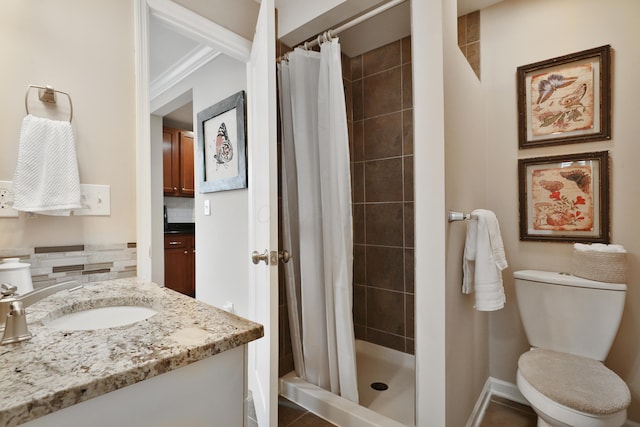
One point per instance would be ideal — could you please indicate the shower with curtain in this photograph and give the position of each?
(346, 147)
(317, 217)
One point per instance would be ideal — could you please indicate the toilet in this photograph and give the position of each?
(570, 323)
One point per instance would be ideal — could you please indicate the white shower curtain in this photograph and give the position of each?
(317, 218)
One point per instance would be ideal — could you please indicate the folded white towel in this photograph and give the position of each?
(484, 260)
(46, 179)
(599, 247)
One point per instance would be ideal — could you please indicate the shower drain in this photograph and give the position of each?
(379, 386)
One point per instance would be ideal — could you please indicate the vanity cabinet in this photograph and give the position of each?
(180, 263)
(209, 392)
(177, 162)
(184, 366)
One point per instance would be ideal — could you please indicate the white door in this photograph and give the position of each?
(263, 215)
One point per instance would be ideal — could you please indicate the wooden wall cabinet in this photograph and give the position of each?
(177, 162)
(180, 263)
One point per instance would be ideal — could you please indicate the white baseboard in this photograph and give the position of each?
(507, 390)
(475, 419)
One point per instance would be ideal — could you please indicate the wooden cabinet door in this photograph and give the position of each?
(177, 162)
(186, 164)
(179, 263)
(170, 161)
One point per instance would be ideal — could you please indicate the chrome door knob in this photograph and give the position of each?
(284, 256)
(256, 257)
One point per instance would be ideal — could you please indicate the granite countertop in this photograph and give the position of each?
(56, 369)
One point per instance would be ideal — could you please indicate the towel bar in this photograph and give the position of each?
(47, 94)
(459, 216)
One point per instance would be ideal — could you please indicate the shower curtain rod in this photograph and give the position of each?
(334, 32)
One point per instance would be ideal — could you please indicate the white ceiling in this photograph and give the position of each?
(168, 49)
(375, 32)
(468, 6)
(364, 37)
(395, 22)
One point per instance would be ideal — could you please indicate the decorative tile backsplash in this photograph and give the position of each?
(85, 263)
(180, 209)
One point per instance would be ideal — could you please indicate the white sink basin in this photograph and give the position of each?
(101, 318)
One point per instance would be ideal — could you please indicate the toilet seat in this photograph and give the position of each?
(572, 390)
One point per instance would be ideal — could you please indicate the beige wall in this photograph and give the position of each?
(466, 167)
(85, 49)
(521, 32)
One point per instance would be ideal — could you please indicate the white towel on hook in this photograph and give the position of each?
(46, 179)
(484, 260)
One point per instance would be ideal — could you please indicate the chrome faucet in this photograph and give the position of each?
(12, 308)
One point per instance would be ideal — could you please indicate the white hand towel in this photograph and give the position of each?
(599, 247)
(46, 179)
(483, 261)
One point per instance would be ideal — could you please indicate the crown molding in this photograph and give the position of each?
(188, 64)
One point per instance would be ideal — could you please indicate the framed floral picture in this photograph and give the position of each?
(565, 100)
(565, 198)
(222, 145)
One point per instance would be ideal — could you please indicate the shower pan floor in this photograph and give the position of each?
(393, 407)
(393, 368)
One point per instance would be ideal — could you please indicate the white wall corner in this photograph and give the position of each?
(475, 419)
(495, 387)
(507, 390)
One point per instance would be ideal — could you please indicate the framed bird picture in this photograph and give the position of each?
(566, 99)
(565, 198)
(222, 145)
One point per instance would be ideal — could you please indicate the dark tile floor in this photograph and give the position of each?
(292, 415)
(506, 413)
(500, 413)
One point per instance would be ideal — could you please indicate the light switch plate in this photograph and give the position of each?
(207, 207)
(6, 200)
(95, 200)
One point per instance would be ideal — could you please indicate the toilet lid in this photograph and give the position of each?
(577, 382)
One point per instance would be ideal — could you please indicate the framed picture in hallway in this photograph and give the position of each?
(566, 99)
(565, 198)
(222, 159)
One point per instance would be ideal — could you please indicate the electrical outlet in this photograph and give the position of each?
(6, 200)
(95, 200)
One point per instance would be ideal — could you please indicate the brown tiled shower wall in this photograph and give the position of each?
(86, 263)
(379, 114)
(381, 119)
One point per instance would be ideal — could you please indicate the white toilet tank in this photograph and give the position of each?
(569, 314)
